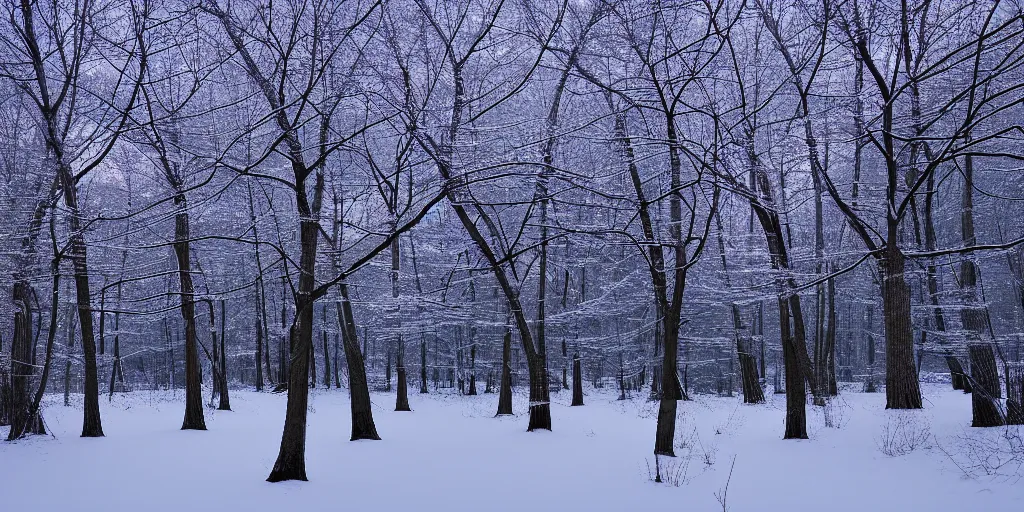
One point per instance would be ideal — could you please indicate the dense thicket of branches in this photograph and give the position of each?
(665, 198)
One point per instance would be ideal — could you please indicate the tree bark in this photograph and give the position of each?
(194, 419)
(577, 381)
(359, 392)
(19, 401)
(902, 390)
(505, 389)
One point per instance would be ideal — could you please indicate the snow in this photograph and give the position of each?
(451, 454)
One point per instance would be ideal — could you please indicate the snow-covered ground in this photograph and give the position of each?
(450, 454)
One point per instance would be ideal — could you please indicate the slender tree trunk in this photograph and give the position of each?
(577, 381)
(259, 354)
(327, 354)
(92, 425)
(72, 316)
(752, 392)
(359, 392)
(472, 369)
(796, 398)
(402, 397)
(423, 367)
(984, 372)
(194, 419)
(51, 335)
(505, 389)
(225, 401)
(337, 365)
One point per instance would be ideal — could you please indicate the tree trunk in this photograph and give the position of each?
(796, 398)
(291, 459)
(92, 425)
(664, 437)
(259, 354)
(225, 401)
(472, 369)
(194, 419)
(577, 381)
(869, 381)
(984, 372)
(902, 390)
(402, 397)
(359, 392)
(423, 367)
(19, 398)
(327, 354)
(505, 389)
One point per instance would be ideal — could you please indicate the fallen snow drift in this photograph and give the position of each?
(451, 454)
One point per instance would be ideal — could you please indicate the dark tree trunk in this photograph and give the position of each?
(902, 390)
(18, 397)
(92, 425)
(796, 398)
(565, 356)
(505, 389)
(984, 372)
(259, 354)
(423, 367)
(51, 335)
(402, 397)
(193, 386)
(291, 459)
(985, 397)
(225, 401)
(752, 392)
(327, 353)
(312, 365)
(577, 381)
(359, 392)
(664, 437)
(472, 369)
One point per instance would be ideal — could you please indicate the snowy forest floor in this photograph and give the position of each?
(451, 454)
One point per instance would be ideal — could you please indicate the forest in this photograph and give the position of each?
(655, 222)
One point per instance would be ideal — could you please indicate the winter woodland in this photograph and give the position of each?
(692, 246)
